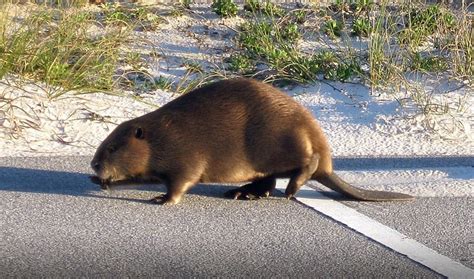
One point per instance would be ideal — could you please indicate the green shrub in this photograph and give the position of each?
(264, 7)
(422, 23)
(252, 6)
(224, 8)
(333, 28)
(273, 10)
(300, 16)
(361, 27)
(290, 32)
(162, 83)
(241, 63)
(335, 68)
(428, 64)
(362, 5)
(274, 43)
(136, 17)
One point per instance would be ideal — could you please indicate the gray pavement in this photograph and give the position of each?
(54, 222)
(444, 225)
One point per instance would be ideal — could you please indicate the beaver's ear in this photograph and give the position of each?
(139, 134)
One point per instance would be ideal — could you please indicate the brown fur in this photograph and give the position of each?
(229, 131)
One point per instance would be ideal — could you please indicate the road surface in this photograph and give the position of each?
(54, 222)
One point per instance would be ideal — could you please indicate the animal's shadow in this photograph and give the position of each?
(25, 180)
(78, 184)
(30, 180)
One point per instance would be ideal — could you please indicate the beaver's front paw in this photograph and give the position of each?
(164, 199)
(104, 184)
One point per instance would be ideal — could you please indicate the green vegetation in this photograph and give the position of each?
(193, 67)
(83, 51)
(300, 16)
(333, 68)
(361, 27)
(430, 64)
(361, 6)
(225, 8)
(333, 28)
(423, 22)
(380, 61)
(270, 47)
(241, 64)
(275, 45)
(135, 60)
(139, 17)
(56, 47)
(162, 83)
(264, 7)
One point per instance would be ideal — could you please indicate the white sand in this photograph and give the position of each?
(356, 124)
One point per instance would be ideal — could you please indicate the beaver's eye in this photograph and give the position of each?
(139, 133)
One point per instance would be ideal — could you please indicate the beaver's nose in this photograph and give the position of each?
(95, 166)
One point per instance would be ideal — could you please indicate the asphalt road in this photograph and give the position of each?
(55, 223)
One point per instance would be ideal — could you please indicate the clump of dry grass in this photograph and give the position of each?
(414, 42)
(60, 48)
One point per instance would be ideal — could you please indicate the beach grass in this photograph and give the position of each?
(72, 48)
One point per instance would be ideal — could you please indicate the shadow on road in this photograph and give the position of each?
(78, 184)
(32, 180)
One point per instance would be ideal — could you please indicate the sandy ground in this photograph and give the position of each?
(355, 123)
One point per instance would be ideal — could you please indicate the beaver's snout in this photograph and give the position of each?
(95, 166)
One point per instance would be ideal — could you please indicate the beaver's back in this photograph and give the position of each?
(239, 127)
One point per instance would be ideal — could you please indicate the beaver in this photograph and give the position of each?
(229, 131)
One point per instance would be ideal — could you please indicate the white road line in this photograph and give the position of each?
(381, 233)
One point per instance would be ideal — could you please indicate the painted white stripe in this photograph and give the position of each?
(381, 233)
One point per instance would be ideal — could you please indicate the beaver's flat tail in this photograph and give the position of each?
(335, 183)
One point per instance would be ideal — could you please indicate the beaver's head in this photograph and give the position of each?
(123, 154)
